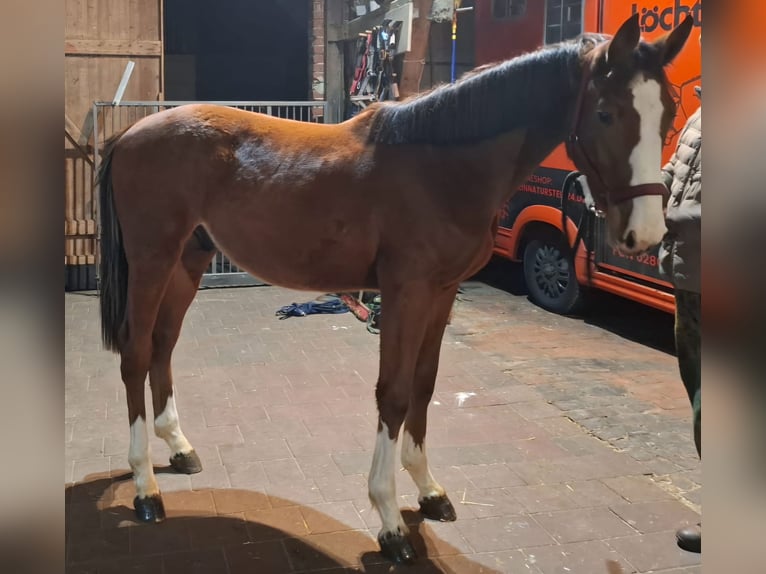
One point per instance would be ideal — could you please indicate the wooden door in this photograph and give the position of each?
(101, 37)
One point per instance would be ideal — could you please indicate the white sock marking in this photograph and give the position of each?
(140, 460)
(382, 483)
(415, 461)
(647, 222)
(168, 428)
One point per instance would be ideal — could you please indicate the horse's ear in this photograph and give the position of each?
(671, 43)
(624, 42)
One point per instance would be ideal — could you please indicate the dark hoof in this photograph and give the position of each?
(149, 509)
(186, 463)
(397, 548)
(438, 508)
(690, 539)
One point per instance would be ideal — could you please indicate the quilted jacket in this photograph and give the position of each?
(679, 253)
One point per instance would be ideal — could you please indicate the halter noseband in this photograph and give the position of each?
(601, 192)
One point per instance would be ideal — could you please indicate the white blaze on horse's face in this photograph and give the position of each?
(646, 224)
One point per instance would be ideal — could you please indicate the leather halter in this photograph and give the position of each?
(603, 196)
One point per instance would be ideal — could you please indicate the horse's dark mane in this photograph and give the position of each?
(532, 90)
(535, 90)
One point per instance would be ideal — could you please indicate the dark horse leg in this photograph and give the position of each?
(178, 296)
(433, 500)
(403, 326)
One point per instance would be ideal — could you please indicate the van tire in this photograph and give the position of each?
(550, 277)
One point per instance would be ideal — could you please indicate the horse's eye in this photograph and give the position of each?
(604, 117)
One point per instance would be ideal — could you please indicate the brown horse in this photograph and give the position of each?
(403, 198)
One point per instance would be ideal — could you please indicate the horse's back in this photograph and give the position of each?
(214, 122)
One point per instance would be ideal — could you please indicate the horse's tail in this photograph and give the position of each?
(113, 267)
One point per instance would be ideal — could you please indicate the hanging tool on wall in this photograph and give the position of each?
(455, 12)
(374, 75)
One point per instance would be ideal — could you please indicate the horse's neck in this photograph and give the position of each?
(504, 163)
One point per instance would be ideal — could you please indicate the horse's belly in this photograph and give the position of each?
(308, 256)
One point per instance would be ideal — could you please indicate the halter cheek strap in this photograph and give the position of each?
(603, 196)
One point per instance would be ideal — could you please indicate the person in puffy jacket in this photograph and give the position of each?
(679, 260)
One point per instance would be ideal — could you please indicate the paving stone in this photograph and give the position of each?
(141, 565)
(332, 517)
(636, 488)
(84, 468)
(319, 551)
(157, 539)
(307, 446)
(246, 475)
(543, 473)
(590, 557)
(352, 487)
(579, 445)
(215, 532)
(353, 462)
(434, 539)
(294, 492)
(489, 563)
(656, 516)
(503, 533)
(283, 471)
(452, 478)
(171, 481)
(567, 496)
(655, 551)
(319, 466)
(184, 504)
(264, 557)
(496, 475)
(583, 524)
(275, 523)
(258, 451)
(231, 501)
(196, 562)
(483, 503)
(285, 429)
(534, 410)
(213, 477)
(222, 416)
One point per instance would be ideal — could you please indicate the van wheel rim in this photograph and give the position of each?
(551, 271)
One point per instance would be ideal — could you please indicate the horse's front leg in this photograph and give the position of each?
(433, 500)
(403, 326)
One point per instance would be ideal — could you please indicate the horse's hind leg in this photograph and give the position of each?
(147, 281)
(403, 325)
(433, 500)
(179, 294)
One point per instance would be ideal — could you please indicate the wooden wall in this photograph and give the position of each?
(101, 37)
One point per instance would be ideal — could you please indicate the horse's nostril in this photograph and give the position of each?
(630, 240)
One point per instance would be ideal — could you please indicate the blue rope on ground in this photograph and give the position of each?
(332, 306)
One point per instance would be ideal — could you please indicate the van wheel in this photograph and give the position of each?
(549, 274)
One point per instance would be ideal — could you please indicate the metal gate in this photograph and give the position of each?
(111, 118)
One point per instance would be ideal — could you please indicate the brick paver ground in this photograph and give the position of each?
(565, 447)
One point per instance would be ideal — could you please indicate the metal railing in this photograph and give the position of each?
(109, 118)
